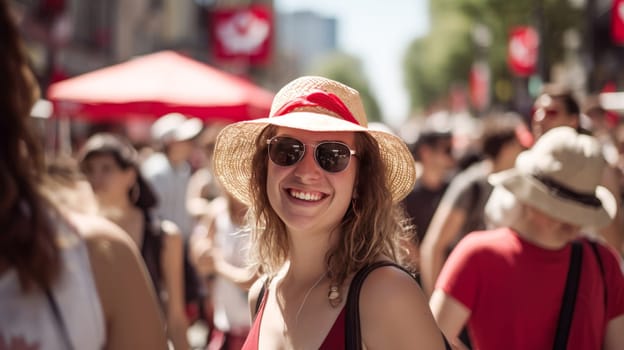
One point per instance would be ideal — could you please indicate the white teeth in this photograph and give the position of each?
(306, 196)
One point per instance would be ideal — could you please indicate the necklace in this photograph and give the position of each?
(305, 297)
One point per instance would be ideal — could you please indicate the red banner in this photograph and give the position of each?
(479, 83)
(242, 33)
(522, 52)
(617, 22)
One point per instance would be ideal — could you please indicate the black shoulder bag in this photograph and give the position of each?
(353, 335)
(569, 297)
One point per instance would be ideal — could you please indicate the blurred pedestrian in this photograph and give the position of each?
(69, 280)
(324, 198)
(509, 284)
(604, 128)
(169, 173)
(219, 251)
(203, 187)
(557, 106)
(433, 153)
(461, 209)
(110, 164)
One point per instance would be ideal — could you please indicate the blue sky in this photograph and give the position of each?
(378, 32)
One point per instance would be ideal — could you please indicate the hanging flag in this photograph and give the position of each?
(522, 51)
(242, 33)
(479, 82)
(617, 22)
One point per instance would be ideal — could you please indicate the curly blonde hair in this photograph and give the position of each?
(374, 227)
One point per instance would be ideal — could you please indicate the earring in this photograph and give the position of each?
(334, 295)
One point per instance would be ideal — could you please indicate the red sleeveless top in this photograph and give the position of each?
(335, 339)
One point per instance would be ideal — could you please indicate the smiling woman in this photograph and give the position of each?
(323, 200)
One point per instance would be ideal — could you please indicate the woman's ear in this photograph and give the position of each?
(130, 176)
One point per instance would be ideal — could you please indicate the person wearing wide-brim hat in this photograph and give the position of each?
(324, 192)
(507, 284)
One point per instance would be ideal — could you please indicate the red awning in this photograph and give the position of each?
(152, 85)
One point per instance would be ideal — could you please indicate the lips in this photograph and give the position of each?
(308, 196)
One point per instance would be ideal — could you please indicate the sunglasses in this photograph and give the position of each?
(331, 156)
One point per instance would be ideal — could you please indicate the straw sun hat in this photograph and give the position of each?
(560, 176)
(313, 104)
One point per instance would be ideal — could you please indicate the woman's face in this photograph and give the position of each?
(304, 195)
(109, 181)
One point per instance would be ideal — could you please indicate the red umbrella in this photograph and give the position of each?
(153, 85)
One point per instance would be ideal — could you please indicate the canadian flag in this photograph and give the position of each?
(617, 22)
(522, 51)
(243, 33)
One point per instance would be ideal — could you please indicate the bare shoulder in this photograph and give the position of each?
(388, 283)
(394, 312)
(112, 252)
(101, 235)
(389, 292)
(132, 313)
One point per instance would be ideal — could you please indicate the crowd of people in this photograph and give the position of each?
(311, 229)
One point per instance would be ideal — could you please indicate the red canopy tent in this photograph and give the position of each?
(153, 85)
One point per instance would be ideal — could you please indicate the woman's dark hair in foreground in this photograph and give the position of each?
(27, 239)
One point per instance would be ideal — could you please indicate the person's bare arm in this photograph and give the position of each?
(394, 313)
(450, 315)
(614, 336)
(446, 223)
(206, 256)
(132, 315)
(243, 277)
(173, 274)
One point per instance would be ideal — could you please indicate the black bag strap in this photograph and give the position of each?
(260, 297)
(353, 335)
(59, 319)
(594, 247)
(569, 297)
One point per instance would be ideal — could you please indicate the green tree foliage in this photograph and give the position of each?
(442, 58)
(348, 70)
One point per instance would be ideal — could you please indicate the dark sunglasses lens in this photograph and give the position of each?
(333, 157)
(285, 151)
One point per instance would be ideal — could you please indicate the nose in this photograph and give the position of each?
(307, 168)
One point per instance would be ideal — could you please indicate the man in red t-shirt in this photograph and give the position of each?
(507, 284)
